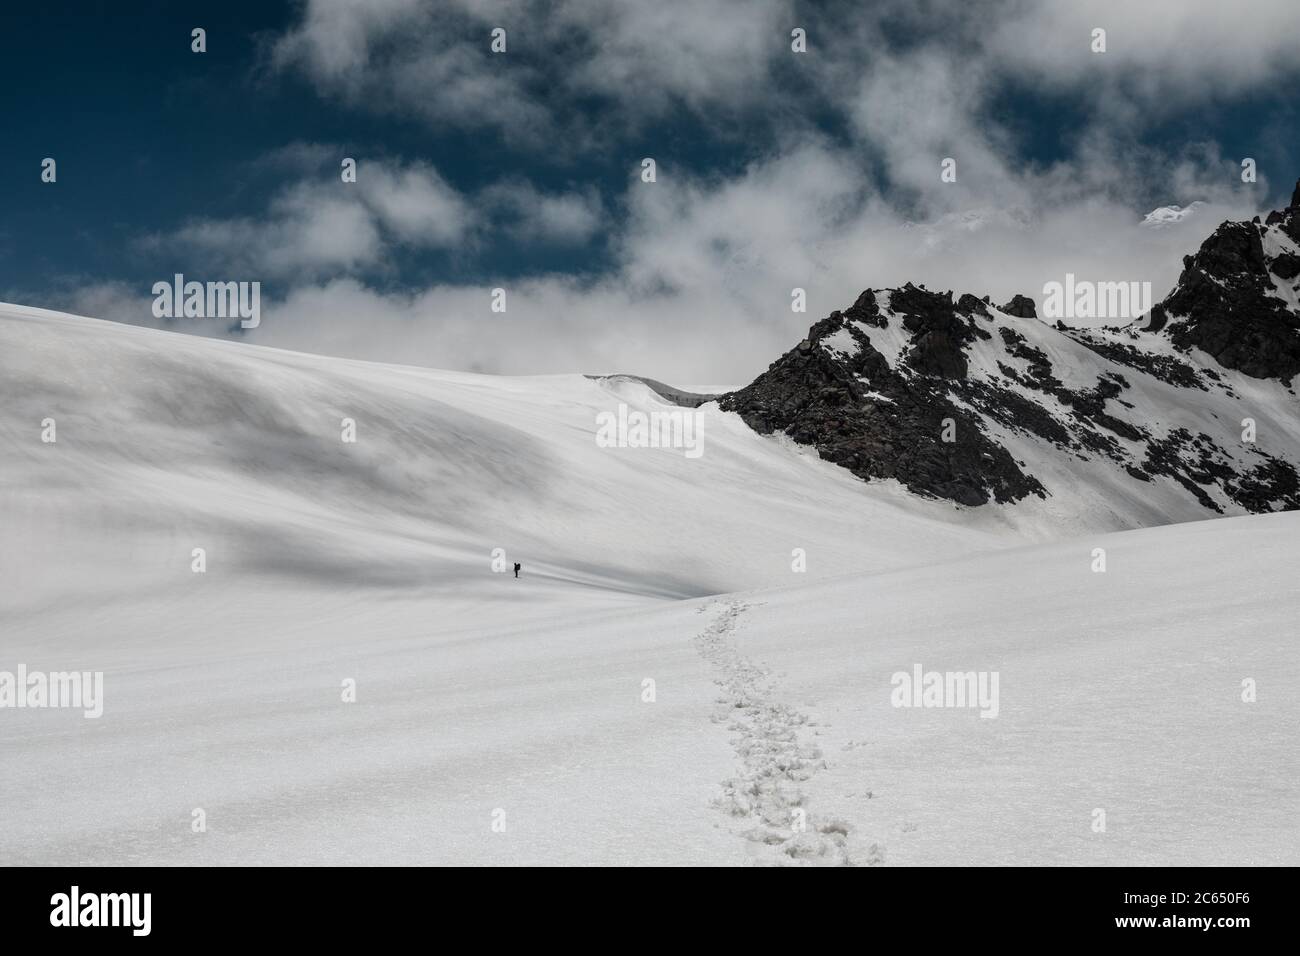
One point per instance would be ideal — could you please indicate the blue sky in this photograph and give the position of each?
(477, 170)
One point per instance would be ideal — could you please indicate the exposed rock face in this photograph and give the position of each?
(971, 403)
(1227, 301)
(836, 392)
(1022, 307)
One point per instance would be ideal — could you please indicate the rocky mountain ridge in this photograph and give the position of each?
(957, 398)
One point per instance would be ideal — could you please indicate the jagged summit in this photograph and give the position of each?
(1238, 297)
(959, 399)
(850, 391)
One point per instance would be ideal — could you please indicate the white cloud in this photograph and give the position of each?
(415, 204)
(704, 264)
(308, 230)
(320, 225)
(335, 38)
(1166, 53)
(727, 58)
(702, 53)
(531, 215)
(435, 62)
(705, 267)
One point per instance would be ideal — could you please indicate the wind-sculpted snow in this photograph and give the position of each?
(167, 443)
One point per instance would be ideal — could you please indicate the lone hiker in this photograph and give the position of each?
(517, 567)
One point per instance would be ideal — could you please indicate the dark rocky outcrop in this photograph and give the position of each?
(877, 422)
(1022, 307)
(1224, 302)
(912, 385)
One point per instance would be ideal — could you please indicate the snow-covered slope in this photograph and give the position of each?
(620, 702)
(1118, 691)
(166, 443)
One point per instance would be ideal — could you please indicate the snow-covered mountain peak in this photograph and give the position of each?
(961, 399)
(1163, 217)
(1238, 297)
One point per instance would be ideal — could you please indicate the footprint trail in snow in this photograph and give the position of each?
(775, 763)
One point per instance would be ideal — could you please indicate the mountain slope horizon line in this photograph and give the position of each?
(972, 403)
